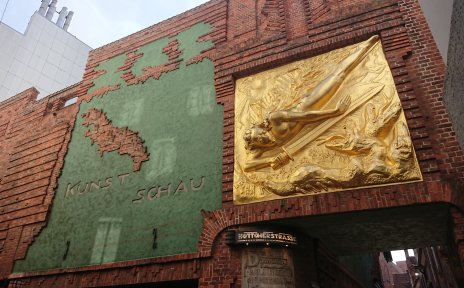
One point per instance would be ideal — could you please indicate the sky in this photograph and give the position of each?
(99, 22)
(398, 255)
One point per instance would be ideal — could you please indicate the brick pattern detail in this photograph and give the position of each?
(271, 19)
(213, 12)
(225, 261)
(199, 58)
(3, 127)
(155, 72)
(100, 92)
(241, 24)
(109, 138)
(130, 274)
(172, 50)
(245, 44)
(251, 21)
(297, 18)
(316, 9)
(150, 72)
(131, 58)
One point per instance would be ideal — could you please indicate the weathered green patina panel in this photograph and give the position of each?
(104, 209)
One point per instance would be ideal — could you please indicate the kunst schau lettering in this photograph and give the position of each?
(154, 192)
(80, 188)
(158, 191)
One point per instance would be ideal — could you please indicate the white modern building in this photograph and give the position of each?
(46, 56)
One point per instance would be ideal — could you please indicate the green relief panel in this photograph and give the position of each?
(104, 211)
(152, 55)
(189, 41)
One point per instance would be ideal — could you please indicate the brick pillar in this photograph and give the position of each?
(457, 245)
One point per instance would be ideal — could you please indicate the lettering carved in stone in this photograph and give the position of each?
(109, 138)
(267, 267)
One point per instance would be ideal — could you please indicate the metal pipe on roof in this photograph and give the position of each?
(68, 20)
(43, 7)
(62, 17)
(51, 10)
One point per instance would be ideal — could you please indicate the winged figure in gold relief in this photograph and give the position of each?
(322, 124)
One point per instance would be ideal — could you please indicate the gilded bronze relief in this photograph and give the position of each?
(320, 125)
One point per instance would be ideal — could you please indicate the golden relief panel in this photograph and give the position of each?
(319, 125)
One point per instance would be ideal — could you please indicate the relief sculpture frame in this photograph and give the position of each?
(324, 124)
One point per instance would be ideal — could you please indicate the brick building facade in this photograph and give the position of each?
(218, 42)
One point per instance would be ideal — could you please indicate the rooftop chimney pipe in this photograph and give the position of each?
(68, 20)
(51, 10)
(61, 18)
(43, 7)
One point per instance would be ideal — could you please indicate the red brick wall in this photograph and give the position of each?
(250, 36)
